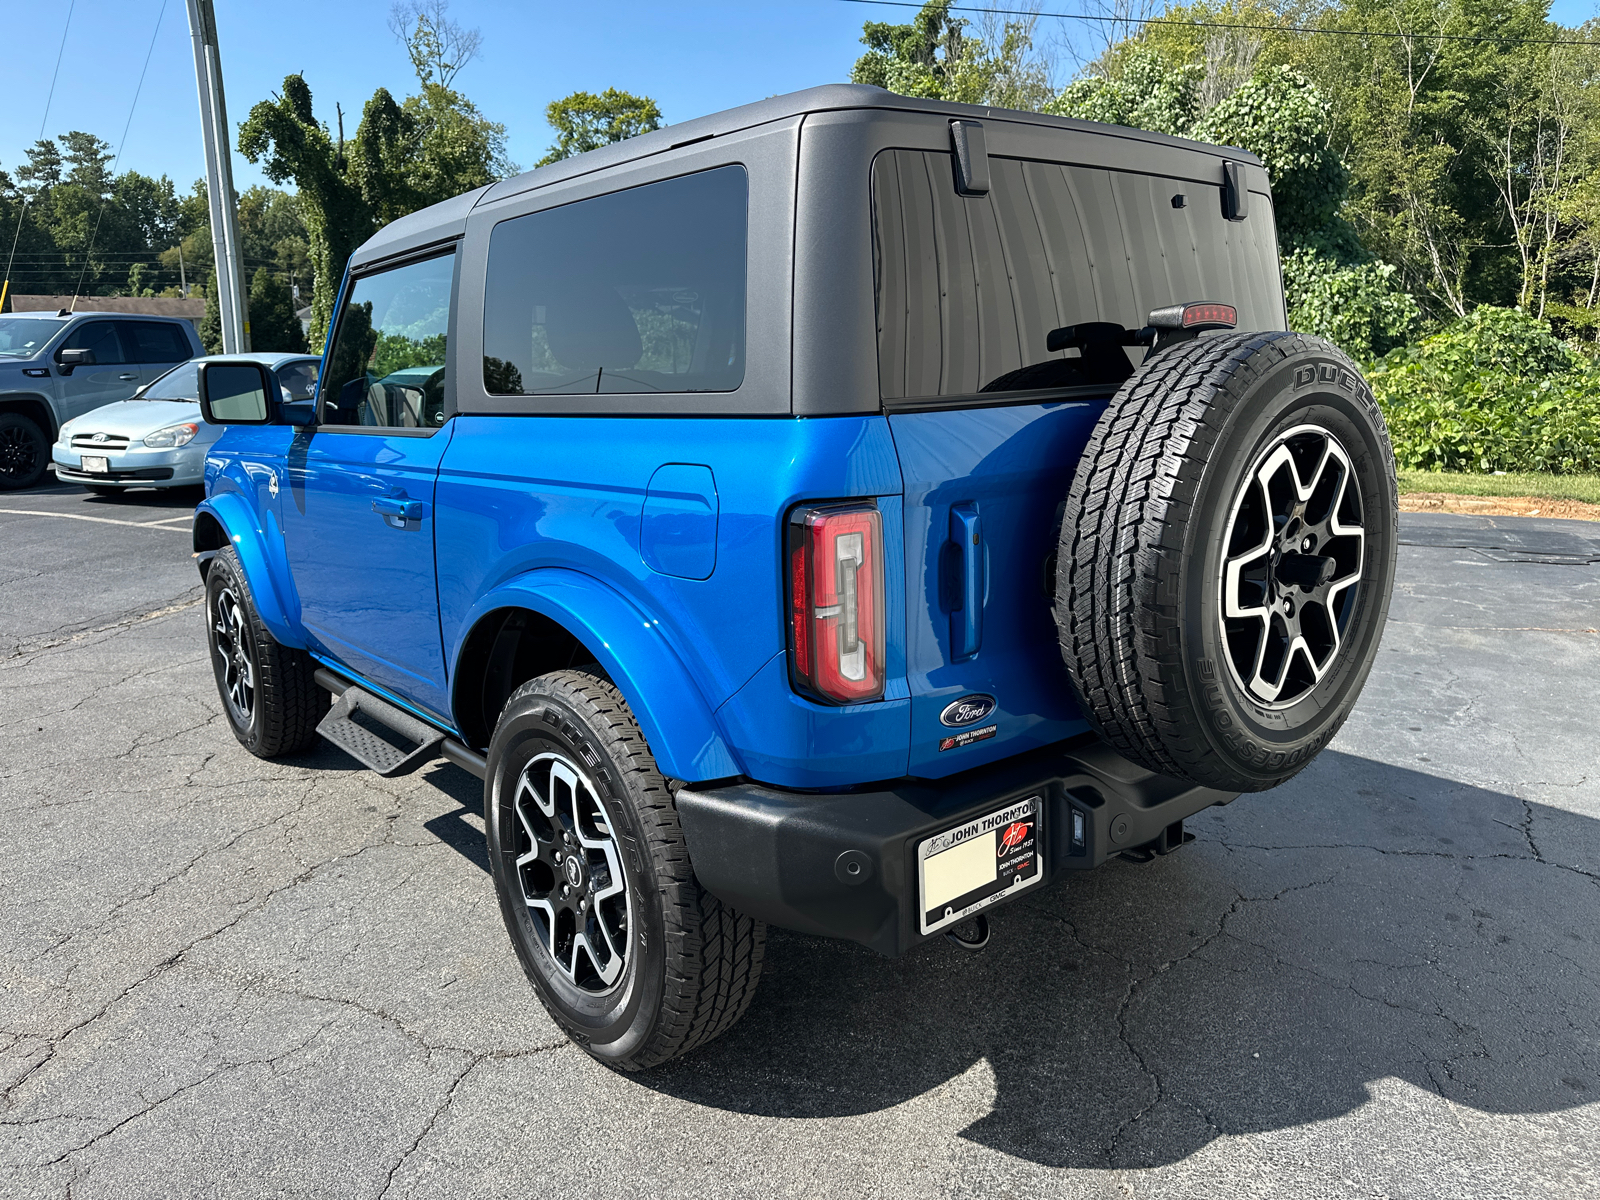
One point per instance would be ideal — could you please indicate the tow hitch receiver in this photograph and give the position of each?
(1166, 842)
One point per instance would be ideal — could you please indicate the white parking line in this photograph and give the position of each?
(161, 524)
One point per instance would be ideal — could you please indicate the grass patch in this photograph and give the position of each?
(1550, 487)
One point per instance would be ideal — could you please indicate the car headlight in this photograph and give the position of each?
(172, 435)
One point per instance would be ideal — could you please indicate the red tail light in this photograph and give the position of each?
(836, 617)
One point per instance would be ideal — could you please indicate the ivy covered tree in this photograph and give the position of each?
(404, 156)
(586, 121)
(273, 325)
(941, 57)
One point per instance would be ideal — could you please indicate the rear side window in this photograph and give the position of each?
(387, 365)
(638, 291)
(155, 342)
(969, 287)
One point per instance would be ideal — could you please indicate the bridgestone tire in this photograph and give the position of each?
(1169, 497)
(24, 452)
(689, 964)
(284, 702)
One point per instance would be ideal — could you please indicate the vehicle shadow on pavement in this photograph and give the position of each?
(1364, 922)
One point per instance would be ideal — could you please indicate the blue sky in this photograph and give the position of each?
(692, 57)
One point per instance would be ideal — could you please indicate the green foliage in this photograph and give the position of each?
(934, 56)
(1494, 391)
(273, 325)
(211, 324)
(404, 156)
(1358, 306)
(585, 121)
(1145, 92)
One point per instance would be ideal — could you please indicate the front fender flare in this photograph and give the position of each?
(633, 650)
(230, 510)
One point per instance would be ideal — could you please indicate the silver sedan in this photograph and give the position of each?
(157, 437)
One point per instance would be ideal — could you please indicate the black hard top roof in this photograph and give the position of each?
(447, 219)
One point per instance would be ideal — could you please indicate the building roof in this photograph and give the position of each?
(150, 306)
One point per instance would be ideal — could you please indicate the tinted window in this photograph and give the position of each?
(155, 341)
(98, 336)
(299, 379)
(387, 364)
(639, 291)
(969, 287)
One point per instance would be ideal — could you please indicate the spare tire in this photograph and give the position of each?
(1227, 554)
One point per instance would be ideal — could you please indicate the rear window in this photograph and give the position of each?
(156, 342)
(969, 287)
(638, 291)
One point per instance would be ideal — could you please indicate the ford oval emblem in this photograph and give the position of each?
(967, 710)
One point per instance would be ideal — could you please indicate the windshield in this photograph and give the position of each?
(180, 383)
(22, 337)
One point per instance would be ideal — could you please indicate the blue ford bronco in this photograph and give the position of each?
(847, 512)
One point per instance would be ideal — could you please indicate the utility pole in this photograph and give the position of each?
(219, 179)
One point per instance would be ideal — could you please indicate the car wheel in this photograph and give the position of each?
(271, 700)
(628, 953)
(24, 452)
(1227, 556)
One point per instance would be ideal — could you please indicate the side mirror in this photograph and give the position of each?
(67, 359)
(235, 393)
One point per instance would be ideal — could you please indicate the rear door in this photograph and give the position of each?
(112, 376)
(157, 346)
(989, 424)
(359, 522)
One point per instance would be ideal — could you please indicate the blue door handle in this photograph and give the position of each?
(966, 622)
(394, 506)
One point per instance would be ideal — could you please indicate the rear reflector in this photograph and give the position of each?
(836, 627)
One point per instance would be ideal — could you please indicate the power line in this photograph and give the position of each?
(43, 121)
(127, 125)
(1125, 20)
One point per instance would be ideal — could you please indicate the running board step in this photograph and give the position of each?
(371, 749)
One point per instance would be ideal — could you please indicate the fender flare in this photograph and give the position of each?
(631, 647)
(238, 522)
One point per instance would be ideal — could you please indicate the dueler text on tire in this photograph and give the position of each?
(1227, 553)
(271, 700)
(629, 954)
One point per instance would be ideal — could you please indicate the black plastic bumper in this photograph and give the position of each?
(842, 865)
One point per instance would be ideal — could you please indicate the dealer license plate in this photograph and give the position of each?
(970, 867)
(95, 466)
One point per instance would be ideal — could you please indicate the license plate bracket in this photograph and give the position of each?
(95, 465)
(980, 862)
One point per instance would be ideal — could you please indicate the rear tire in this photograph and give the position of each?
(24, 452)
(1227, 555)
(628, 953)
(268, 694)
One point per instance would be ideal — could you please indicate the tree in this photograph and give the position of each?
(211, 323)
(403, 156)
(273, 325)
(584, 121)
(936, 57)
(438, 47)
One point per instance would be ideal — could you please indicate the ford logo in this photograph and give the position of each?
(967, 709)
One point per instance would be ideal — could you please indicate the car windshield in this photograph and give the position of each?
(21, 337)
(180, 383)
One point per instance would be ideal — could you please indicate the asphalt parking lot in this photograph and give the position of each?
(224, 977)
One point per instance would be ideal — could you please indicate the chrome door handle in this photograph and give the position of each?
(127, 377)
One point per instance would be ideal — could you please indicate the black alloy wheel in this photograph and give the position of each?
(24, 452)
(233, 656)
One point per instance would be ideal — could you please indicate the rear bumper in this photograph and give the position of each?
(796, 859)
